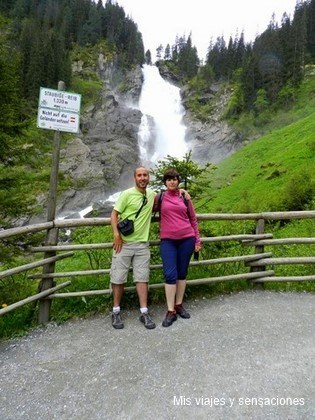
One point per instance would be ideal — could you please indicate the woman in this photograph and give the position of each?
(179, 235)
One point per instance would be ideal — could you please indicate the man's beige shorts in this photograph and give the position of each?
(135, 255)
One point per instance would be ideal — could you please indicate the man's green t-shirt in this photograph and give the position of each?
(127, 204)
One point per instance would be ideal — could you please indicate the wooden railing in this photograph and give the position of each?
(256, 264)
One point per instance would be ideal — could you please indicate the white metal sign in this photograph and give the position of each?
(58, 99)
(52, 119)
(59, 110)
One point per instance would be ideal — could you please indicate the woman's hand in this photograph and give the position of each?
(197, 248)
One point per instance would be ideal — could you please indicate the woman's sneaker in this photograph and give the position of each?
(116, 321)
(169, 318)
(181, 311)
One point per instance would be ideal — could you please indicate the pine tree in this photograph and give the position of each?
(5, 6)
(80, 14)
(21, 9)
(33, 51)
(159, 52)
(311, 30)
(216, 57)
(175, 53)
(188, 61)
(299, 39)
(148, 58)
(10, 101)
(91, 31)
(167, 52)
(65, 26)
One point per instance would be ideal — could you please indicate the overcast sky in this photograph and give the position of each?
(160, 21)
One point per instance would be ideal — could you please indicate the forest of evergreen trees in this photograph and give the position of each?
(264, 72)
(44, 31)
(38, 36)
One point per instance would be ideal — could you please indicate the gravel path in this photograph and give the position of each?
(243, 356)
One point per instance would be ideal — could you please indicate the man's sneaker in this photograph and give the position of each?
(169, 319)
(116, 321)
(147, 321)
(181, 311)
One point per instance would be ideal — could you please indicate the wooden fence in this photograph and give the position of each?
(255, 264)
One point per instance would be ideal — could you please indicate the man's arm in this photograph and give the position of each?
(186, 194)
(117, 238)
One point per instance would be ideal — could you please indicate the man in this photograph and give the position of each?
(134, 248)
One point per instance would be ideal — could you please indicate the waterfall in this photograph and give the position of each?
(161, 131)
(160, 102)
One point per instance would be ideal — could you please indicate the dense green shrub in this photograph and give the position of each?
(299, 192)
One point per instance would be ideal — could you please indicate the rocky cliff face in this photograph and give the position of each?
(214, 139)
(102, 158)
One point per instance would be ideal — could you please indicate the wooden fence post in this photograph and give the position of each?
(259, 249)
(51, 234)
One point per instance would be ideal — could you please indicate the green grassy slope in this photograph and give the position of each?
(257, 177)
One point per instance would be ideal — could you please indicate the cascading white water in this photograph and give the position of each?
(161, 101)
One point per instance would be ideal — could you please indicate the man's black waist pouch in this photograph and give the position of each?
(126, 227)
